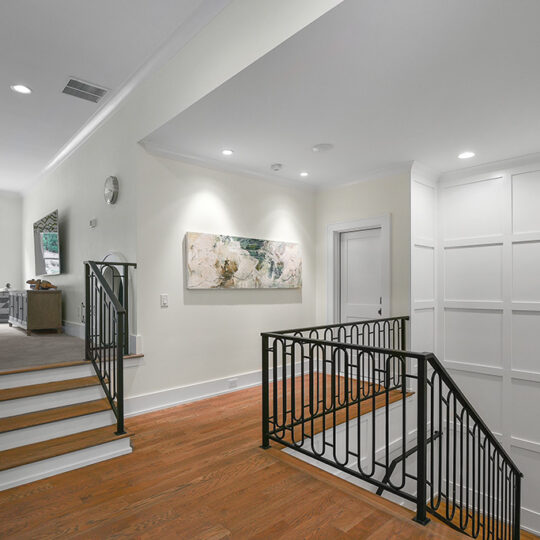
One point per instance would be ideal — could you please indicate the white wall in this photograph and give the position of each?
(10, 239)
(489, 314)
(368, 199)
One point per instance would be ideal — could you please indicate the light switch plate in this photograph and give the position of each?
(164, 300)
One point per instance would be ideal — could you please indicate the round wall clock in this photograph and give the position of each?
(111, 190)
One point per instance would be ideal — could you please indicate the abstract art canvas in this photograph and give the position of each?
(216, 261)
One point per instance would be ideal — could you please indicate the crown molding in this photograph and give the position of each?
(218, 165)
(377, 174)
(491, 167)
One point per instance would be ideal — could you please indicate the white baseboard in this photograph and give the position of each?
(163, 399)
(530, 520)
(74, 329)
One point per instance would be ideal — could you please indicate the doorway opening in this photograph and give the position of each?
(359, 270)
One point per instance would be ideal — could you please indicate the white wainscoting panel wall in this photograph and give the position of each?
(423, 259)
(488, 315)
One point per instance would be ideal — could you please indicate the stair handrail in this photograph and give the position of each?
(443, 373)
(278, 349)
(107, 333)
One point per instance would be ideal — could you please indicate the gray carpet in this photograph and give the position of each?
(17, 350)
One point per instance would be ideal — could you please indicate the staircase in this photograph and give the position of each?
(350, 399)
(59, 417)
(54, 419)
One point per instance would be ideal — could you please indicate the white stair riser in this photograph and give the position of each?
(67, 462)
(42, 402)
(41, 376)
(52, 430)
(46, 375)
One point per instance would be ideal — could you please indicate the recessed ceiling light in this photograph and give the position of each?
(322, 147)
(466, 155)
(304, 173)
(21, 89)
(227, 152)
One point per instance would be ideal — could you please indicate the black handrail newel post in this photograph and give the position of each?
(87, 311)
(517, 507)
(421, 463)
(265, 394)
(120, 374)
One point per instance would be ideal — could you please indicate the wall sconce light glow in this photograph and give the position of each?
(21, 89)
(304, 174)
(227, 152)
(466, 155)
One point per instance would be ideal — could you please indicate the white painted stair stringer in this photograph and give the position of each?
(54, 430)
(67, 462)
(52, 400)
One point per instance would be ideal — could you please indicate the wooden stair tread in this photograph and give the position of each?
(47, 388)
(44, 367)
(23, 455)
(47, 416)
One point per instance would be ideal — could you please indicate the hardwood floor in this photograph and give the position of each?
(197, 472)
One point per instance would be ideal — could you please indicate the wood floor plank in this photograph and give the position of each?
(21, 421)
(47, 388)
(23, 455)
(197, 472)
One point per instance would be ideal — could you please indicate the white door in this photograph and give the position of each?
(362, 275)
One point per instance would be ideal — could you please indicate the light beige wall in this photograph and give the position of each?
(207, 334)
(368, 199)
(10, 240)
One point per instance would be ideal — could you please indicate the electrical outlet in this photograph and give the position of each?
(233, 383)
(164, 300)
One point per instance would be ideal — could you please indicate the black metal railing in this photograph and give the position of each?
(352, 397)
(107, 328)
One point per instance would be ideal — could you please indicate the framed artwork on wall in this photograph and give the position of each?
(215, 261)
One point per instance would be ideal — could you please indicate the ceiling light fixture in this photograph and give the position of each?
(227, 152)
(466, 155)
(21, 89)
(304, 173)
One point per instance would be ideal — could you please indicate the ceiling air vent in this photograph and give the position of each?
(84, 90)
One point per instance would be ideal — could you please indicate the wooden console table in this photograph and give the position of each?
(36, 310)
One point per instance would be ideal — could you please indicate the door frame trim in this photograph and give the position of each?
(333, 259)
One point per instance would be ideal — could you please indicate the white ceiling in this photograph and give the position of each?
(386, 82)
(44, 43)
